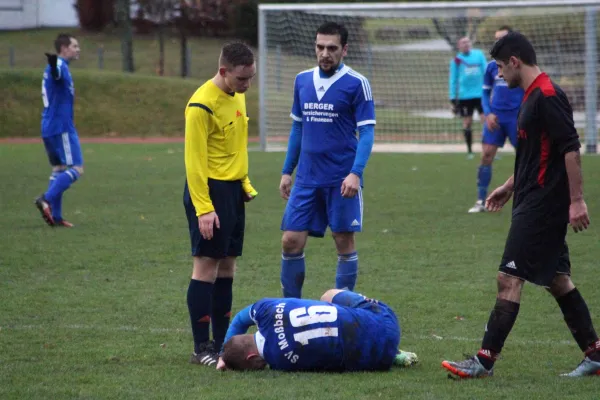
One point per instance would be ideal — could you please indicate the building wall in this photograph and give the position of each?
(23, 14)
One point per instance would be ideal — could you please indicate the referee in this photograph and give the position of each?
(217, 186)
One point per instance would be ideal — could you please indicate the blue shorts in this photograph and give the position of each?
(376, 321)
(507, 122)
(312, 209)
(64, 149)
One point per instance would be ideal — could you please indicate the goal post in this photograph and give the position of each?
(405, 50)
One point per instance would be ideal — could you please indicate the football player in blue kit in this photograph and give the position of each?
(58, 130)
(344, 331)
(332, 103)
(501, 107)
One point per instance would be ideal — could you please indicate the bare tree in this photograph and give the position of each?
(159, 12)
(122, 8)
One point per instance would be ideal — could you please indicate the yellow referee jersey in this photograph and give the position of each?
(216, 142)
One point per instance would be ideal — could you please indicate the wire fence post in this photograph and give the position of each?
(188, 59)
(100, 57)
(591, 81)
(11, 56)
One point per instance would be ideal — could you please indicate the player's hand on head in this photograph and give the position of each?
(207, 223)
(497, 199)
(491, 121)
(350, 185)
(285, 186)
(578, 216)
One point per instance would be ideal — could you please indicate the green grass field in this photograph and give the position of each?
(99, 311)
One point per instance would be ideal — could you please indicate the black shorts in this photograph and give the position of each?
(467, 107)
(536, 252)
(228, 199)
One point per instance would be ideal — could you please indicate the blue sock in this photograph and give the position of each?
(484, 177)
(56, 205)
(61, 183)
(347, 271)
(52, 178)
(292, 274)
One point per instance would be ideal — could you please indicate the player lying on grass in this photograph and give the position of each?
(344, 331)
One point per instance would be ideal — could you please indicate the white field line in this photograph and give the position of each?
(187, 331)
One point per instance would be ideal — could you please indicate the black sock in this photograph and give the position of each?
(221, 309)
(502, 319)
(578, 319)
(199, 298)
(469, 139)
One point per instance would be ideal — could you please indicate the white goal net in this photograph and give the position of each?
(405, 50)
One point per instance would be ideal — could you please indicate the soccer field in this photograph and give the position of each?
(100, 311)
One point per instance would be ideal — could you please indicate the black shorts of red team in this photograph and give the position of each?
(467, 107)
(536, 248)
(228, 240)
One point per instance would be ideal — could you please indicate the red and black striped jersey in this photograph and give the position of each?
(546, 133)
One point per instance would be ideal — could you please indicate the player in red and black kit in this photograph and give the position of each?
(548, 195)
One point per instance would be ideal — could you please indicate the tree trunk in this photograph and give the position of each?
(124, 21)
(183, 42)
(161, 50)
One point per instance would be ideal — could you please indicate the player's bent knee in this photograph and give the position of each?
(509, 287)
(205, 269)
(330, 294)
(344, 242)
(293, 242)
(561, 285)
(487, 158)
(59, 168)
(79, 169)
(227, 267)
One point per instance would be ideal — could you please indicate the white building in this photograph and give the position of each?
(23, 14)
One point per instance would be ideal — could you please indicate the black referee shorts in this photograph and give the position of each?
(228, 199)
(466, 108)
(536, 252)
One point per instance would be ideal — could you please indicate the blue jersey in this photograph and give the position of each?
(58, 96)
(502, 97)
(466, 75)
(330, 109)
(299, 334)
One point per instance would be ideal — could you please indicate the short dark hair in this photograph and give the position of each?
(236, 53)
(332, 28)
(505, 28)
(514, 44)
(235, 354)
(62, 40)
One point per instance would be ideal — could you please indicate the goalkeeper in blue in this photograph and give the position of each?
(344, 331)
(501, 108)
(331, 103)
(464, 86)
(58, 130)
